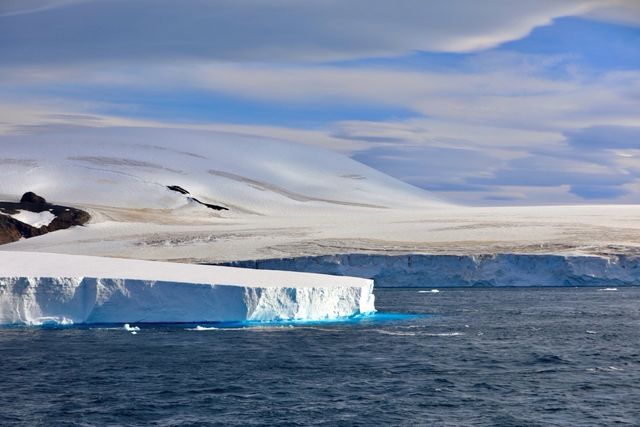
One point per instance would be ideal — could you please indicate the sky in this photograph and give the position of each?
(492, 102)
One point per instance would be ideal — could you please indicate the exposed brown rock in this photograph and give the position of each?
(11, 229)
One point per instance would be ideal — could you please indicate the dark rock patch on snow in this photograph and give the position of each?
(181, 190)
(178, 189)
(30, 197)
(12, 228)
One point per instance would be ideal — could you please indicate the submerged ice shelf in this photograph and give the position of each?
(37, 288)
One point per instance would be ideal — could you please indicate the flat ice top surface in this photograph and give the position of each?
(29, 264)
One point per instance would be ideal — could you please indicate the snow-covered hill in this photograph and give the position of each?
(131, 168)
(284, 200)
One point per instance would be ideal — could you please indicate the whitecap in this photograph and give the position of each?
(605, 369)
(129, 328)
(432, 291)
(398, 333)
(608, 289)
(444, 334)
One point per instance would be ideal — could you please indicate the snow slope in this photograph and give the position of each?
(37, 288)
(131, 167)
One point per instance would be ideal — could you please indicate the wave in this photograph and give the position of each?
(444, 334)
(405, 334)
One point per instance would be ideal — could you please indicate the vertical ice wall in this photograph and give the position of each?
(90, 300)
(418, 270)
(37, 288)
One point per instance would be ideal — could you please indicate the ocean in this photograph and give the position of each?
(458, 357)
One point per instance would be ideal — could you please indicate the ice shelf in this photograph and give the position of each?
(38, 288)
(425, 270)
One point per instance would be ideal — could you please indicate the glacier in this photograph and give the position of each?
(439, 270)
(43, 288)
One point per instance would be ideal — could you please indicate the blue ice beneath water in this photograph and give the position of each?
(360, 319)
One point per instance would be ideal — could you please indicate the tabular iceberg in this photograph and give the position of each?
(37, 288)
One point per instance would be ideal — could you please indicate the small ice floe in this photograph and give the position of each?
(591, 332)
(608, 289)
(202, 328)
(432, 291)
(133, 329)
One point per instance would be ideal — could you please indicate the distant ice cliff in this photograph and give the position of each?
(468, 270)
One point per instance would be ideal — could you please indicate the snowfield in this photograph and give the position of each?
(285, 200)
(39, 288)
(131, 169)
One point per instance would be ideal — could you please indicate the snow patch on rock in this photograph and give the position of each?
(34, 219)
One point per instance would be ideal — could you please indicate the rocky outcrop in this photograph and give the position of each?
(30, 197)
(12, 229)
(468, 270)
(181, 190)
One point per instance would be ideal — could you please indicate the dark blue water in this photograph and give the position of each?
(506, 357)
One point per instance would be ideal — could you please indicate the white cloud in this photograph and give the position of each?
(620, 11)
(511, 97)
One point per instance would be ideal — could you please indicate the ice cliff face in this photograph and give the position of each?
(60, 300)
(454, 270)
(37, 288)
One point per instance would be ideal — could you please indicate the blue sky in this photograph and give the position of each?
(495, 102)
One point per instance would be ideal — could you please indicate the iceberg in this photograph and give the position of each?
(44, 288)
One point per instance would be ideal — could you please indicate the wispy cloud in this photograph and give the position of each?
(266, 30)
